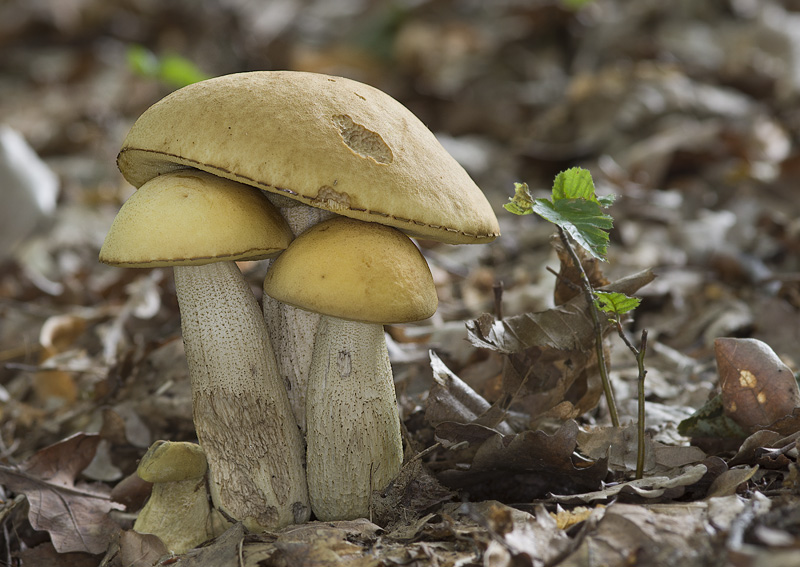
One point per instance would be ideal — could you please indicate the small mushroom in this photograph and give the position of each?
(358, 276)
(200, 224)
(179, 511)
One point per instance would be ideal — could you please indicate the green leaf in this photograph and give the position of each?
(574, 183)
(173, 70)
(616, 303)
(142, 61)
(606, 200)
(583, 220)
(575, 5)
(522, 202)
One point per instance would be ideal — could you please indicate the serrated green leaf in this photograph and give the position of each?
(574, 183)
(522, 202)
(616, 303)
(583, 220)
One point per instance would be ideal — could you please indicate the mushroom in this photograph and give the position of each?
(200, 224)
(358, 276)
(321, 141)
(178, 511)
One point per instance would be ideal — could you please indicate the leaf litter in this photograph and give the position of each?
(685, 112)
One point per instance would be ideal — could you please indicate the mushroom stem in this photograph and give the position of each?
(353, 437)
(241, 412)
(292, 330)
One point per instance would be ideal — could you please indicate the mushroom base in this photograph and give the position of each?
(241, 412)
(179, 514)
(353, 426)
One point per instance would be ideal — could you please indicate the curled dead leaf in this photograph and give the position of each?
(75, 514)
(758, 389)
(552, 368)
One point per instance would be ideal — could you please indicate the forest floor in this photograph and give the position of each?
(688, 112)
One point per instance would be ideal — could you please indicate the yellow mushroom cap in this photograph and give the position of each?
(354, 270)
(191, 217)
(328, 142)
(172, 461)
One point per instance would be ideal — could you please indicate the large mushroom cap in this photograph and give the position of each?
(354, 270)
(328, 142)
(190, 217)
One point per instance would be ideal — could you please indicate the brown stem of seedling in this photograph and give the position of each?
(497, 289)
(588, 293)
(639, 354)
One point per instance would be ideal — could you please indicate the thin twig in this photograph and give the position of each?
(639, 354)
(498, 300)
(588, 293)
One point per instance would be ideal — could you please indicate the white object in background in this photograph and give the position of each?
(28, 191)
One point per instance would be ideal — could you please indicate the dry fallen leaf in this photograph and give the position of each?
(552, 365)
(74, 514)
(140, 550)
(515, 468)
(757, 387)
(568, 284)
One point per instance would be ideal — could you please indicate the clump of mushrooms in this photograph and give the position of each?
(201, 224)
(318, 145)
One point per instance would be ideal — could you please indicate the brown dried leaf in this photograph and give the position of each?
(452, 399)
(140, 550)
(46, 554)
(515, 468)
(758, 389)
(409, 495)
(75, 515)
(520, 538)
(637, 535)
(568, 284)
(620, 445)
(223, 552)
(551, 355)
(653, 487)
(728, 482)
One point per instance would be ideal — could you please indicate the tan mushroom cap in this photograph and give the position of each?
(191, 218)
(172, 461)
(328, 142)
(354, 270)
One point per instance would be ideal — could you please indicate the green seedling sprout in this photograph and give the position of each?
(578, 214)
(576, 211)
(616, 305)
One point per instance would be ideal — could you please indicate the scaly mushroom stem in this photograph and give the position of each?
(292, 330)
(241, 412)
(353, 436)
